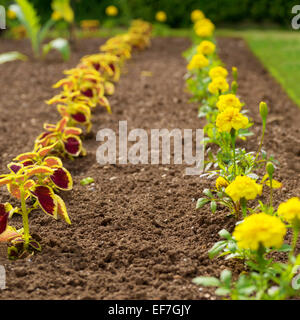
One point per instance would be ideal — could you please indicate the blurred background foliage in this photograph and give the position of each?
(222, 12)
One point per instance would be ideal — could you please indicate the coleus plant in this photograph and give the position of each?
(65, 139)
(87, 82)
(122, 50)
(106, 64)
(34, 181)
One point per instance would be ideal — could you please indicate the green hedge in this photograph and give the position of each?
(178, 11)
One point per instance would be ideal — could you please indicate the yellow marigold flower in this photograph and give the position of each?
(228, 100)
(260, 229)
(198, 61)
(161, 16)
(218, 72)
(218, 85)
(229, 119)
(111, 11)
(11, 14)
(206, 47)
(197, 15)
(205, 31)
(290, 210)
(221, 182)
(243, 187)
(204, 28)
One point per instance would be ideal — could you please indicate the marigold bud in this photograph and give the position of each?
(263, 110)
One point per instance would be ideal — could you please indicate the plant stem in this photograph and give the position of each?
(261, 142)
(232, 133)
(25, 218)
(296, 231)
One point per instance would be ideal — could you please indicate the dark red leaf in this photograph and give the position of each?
(3, 218)
(46, 199)
(79, 117)
(72, 146)
(62, 179)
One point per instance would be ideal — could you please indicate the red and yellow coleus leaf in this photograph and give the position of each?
(103, 101)
(3, 218)
(62, 179)
(60, 127)
(9, 234)
(46, 199)
(66, 83)
(45, 139)
(72, 145)
(46, 150)
(5, 180)
(36, 170)
(72, 131)
(61, 209)
(14, 189)
(15, 167)
(52, 162)
(109, 88)
(26, 156)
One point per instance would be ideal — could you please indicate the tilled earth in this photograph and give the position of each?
(135, 233)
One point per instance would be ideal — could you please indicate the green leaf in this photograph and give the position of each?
(207, 281)
(201, 203)
(86, 181)
(208, 193)
(44, 31)
(11, 56)
(29, 18)
(213, 206)
(59, 44)
(225, 234)
(285, 248)
(232, 246)
(222, 292)
(216, 249)
(225, 277)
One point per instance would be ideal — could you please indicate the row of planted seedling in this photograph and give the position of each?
(260, 228)
(36, 178)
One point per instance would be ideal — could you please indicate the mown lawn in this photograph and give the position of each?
(279, 51)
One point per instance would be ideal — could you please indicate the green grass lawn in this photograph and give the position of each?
(279, 51)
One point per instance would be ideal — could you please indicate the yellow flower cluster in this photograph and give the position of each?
(197, 15)
(228, 100)
(161, 16)
(204, 28)
(206, 47)
(218, 85)
(198, 61)
(230, 119)
(243, 187)
(217, 72)
(290, 210)
(260, 230)
(111, 11)
(221, 183)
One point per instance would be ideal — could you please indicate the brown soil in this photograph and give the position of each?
(135, 234)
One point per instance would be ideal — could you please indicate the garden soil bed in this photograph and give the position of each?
(135, 234)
